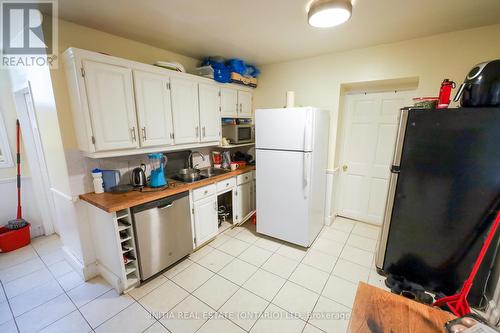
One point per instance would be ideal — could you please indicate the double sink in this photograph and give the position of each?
(192, 175)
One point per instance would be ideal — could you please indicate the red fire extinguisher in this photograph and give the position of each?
(445, 93)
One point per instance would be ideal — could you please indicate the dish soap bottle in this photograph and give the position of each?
(98, 187)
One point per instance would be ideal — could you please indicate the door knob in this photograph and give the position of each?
(344, 167)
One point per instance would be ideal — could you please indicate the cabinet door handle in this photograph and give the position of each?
(241, 108)
(203, 129)
(215, 205)
(132, 131)
(206, 192)
(197, 130)
(144, 133)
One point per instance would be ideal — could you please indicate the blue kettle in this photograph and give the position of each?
(157, 163)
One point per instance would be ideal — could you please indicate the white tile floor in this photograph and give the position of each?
(240, 282)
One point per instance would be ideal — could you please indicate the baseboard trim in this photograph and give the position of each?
(87, 272)
(110, 277)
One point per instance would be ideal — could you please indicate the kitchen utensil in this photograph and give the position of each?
(16, 233)
(226, 159)
(445, 93)
(189, 174)
(216, 157)
(138, 176)
(234, 166)
(18, 222)
(481, 86)
(110, 178)
(157, 162)
(458, 303)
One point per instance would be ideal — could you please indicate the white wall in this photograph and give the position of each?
(8, 203)
(318, 81)
(8, 194)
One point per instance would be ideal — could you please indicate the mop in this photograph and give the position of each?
(458, 303)
(18, 222)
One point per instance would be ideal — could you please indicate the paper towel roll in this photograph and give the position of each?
(290, 99)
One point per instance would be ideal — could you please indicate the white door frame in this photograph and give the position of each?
(343, 137)
(36, 157)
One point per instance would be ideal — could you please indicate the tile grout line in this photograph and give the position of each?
(10, 307)
(64, 291)
(331, 273)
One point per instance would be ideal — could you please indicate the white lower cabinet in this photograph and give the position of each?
(205, 219)
(244, 205)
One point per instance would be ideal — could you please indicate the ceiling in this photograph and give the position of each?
(270, 31)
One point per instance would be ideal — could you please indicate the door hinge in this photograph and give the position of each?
(194, 240)
(192, 211)
(93, 139)
(235, 192)
(82, 71)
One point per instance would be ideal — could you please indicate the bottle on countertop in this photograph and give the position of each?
(98, 185)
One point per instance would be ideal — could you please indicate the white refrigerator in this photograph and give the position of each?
(291, 162)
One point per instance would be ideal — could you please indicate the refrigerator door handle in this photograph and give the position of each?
(307, 173)
(398, 148)
(307, 131)
(391, 195)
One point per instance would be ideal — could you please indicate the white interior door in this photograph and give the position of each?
(209, 112)
(154, 111)
(369, 135)
(111, 102)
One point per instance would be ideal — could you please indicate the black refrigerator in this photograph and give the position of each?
(445, 181)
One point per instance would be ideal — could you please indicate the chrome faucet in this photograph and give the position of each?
(190, 158)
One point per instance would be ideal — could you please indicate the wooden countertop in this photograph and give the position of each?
(376, 310)
(110, 202)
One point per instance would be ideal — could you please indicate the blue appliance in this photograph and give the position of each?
(157, 163)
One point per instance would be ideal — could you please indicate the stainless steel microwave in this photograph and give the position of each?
(237, 134)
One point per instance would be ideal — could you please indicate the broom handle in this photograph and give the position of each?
(18, 130)
(491, 234)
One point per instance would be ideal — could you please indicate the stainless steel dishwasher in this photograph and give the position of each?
(163, 233)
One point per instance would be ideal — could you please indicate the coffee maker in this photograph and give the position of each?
(481, 87)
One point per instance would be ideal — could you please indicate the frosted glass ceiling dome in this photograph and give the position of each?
(329, 13)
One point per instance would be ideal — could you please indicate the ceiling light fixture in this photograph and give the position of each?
(329, 13)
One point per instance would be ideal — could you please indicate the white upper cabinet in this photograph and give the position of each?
(209, 96)
(110, 98)
(244, 103)
(184, 94)
(229, 102)
(154, 112)
(122, 107)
